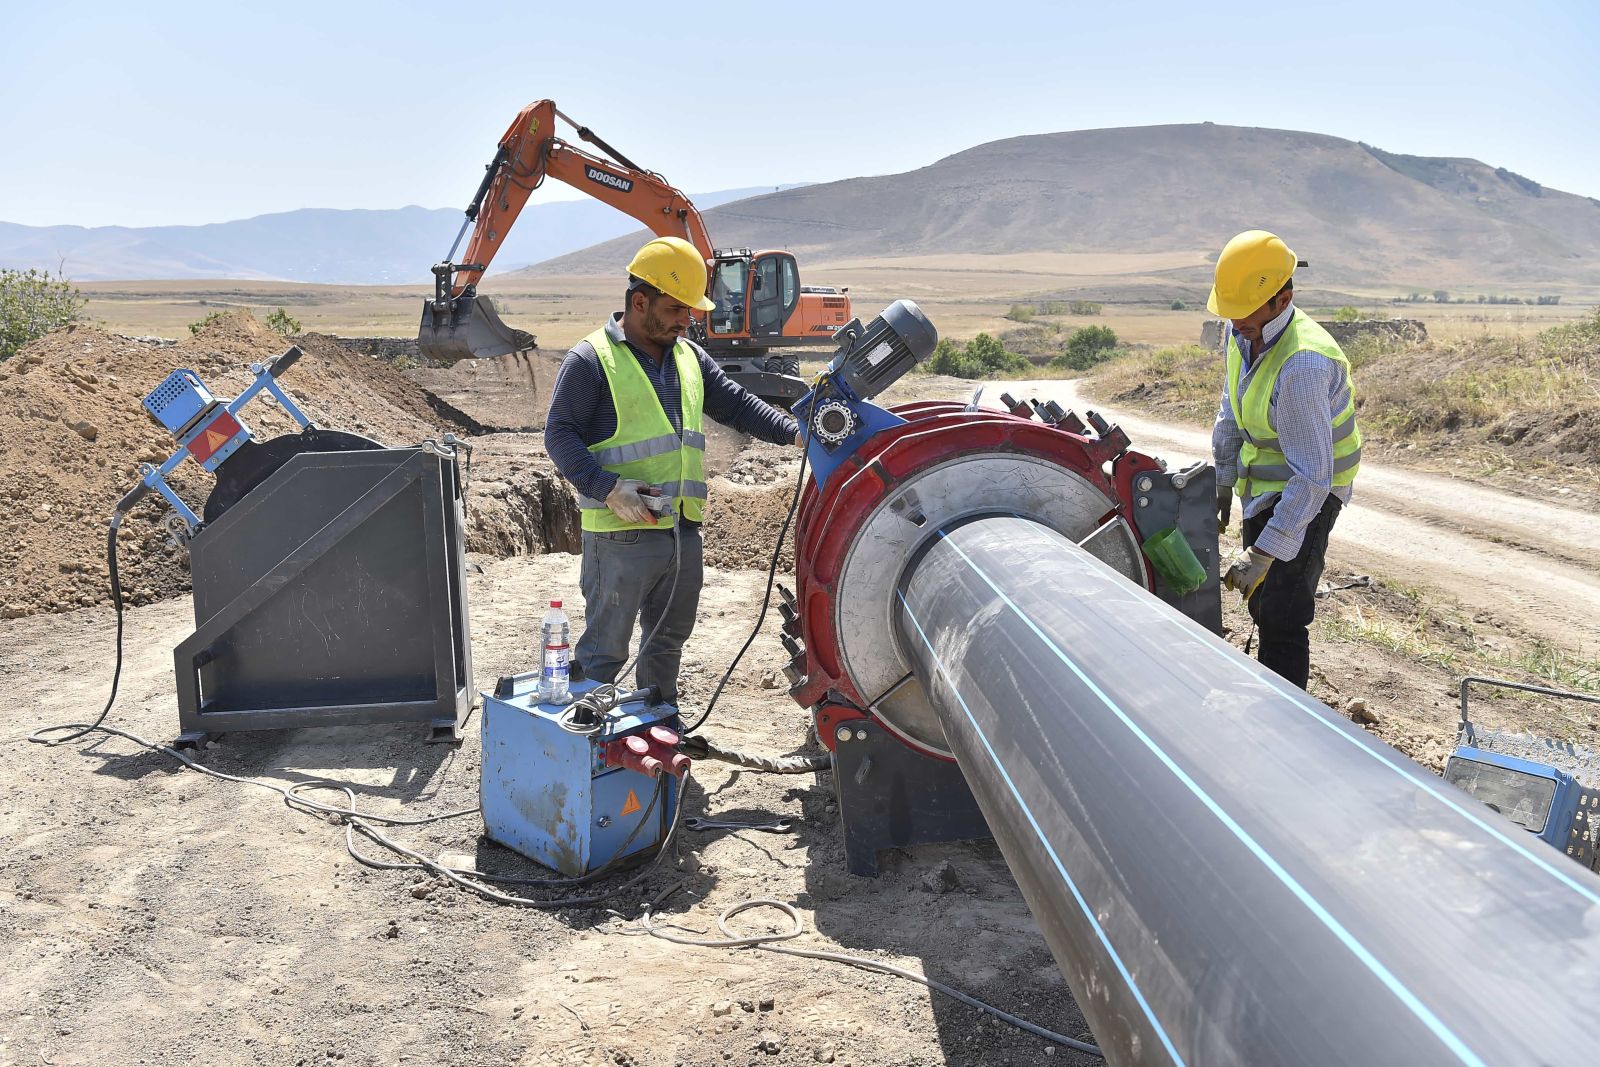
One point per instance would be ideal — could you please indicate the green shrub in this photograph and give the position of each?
(982, 357)
(992, 354)
(1576, 342)
(1179, 305)
(1348, 314)
(1084, 307)
(1020, 313)
(1088, 346)
(31, 305)
(196, 327)
(280, 322)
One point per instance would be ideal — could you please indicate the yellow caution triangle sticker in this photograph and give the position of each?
(215, 440)
(631, 805)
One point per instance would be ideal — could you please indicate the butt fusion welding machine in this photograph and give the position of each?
(887, 482)
(574, 795)
(328, 570)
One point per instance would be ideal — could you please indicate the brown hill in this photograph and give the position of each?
(1360, 215)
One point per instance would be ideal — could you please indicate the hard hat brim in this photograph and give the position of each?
(1219, 307)
(705, 303)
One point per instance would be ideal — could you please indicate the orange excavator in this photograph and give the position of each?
(760, 303)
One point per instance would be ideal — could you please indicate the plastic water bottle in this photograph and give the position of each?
(556, 655)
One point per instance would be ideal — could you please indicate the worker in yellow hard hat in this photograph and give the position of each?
(1285, 442)
(626, 428)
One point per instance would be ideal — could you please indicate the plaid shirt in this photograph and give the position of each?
(1309, 394)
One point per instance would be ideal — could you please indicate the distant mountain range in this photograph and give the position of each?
(359, 247)
(1360, 215)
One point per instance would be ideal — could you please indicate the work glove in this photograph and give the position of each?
(1247, 572)
(1224, 507)
(625, 504)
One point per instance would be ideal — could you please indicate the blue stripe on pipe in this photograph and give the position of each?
(1349, 940)
(1427, 782)
(1038, 831)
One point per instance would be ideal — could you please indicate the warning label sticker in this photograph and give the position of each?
(631, 805)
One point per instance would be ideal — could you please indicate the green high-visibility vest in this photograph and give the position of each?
(645, 446)
(1262, 466)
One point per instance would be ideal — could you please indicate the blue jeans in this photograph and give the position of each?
(627, 576)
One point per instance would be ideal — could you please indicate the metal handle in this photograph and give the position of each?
(285, 361)
(133, 497)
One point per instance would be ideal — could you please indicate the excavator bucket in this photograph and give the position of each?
(468, 329)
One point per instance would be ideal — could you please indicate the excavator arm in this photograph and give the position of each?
(761, 303)
(530, 152)
(459, 324)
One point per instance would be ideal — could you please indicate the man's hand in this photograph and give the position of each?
(625, 504)
(1248, 571)
(1224, 507)
(799, 439)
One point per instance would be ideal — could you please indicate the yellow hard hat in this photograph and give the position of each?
(1252, 269)
(672, 265)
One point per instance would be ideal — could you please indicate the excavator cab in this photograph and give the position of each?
(755, 293)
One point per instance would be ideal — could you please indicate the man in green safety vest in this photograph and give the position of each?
(626, 423)
(1285, 441)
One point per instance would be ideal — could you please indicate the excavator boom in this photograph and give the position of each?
(760, 303)
(458, 323)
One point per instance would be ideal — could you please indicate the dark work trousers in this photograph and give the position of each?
(626, 577)
(1286, 601)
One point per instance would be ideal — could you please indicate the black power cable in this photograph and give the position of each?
(40, 736)
(772, 574)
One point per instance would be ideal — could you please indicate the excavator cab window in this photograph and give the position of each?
(776, 291)
(728, 292)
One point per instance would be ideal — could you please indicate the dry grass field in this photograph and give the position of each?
(964, 295)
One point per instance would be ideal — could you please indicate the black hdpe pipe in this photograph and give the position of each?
(1226, 870)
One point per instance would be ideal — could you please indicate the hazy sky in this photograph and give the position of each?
(168, 112)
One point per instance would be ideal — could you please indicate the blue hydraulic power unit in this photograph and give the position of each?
(1533, 781)
(577, 796)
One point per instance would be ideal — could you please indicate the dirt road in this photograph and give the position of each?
(1526, 560)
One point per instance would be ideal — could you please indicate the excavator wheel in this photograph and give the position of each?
(782, 365)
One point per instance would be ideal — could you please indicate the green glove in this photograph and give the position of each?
(1224, 507)
(1247, 572)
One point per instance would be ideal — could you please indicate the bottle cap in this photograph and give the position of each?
(555, 603)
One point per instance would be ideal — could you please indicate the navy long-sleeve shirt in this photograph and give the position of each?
(582, 412)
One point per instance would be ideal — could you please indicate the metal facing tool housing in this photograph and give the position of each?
(331, 593)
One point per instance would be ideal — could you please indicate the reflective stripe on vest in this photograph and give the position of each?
(1262, 465)
(645, 447)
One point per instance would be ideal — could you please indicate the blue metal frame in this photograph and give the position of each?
(825, 458)
(201, 399)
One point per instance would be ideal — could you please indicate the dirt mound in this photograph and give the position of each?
(1568, 437)
(72, 432)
